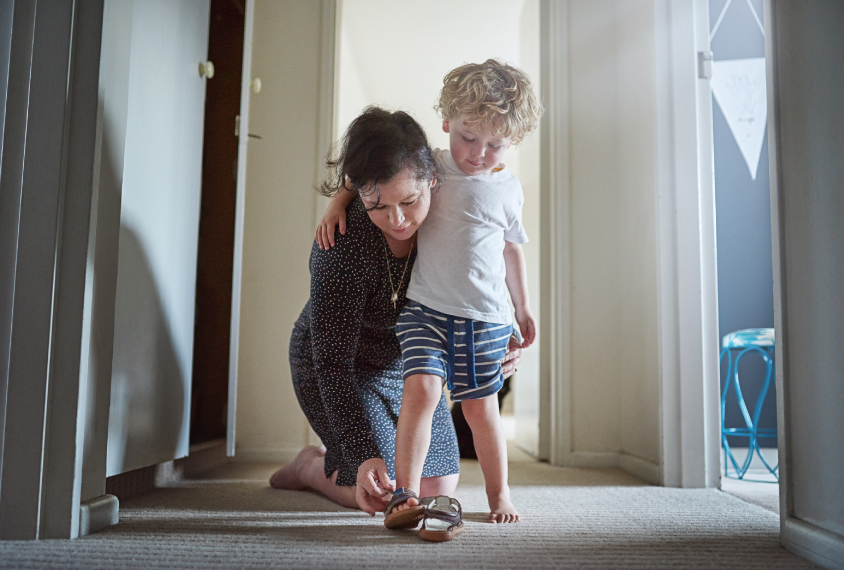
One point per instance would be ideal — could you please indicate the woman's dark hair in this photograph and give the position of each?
(378, 145)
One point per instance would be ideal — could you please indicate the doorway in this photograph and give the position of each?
(743, 218)
(408, 78)
(209, 394)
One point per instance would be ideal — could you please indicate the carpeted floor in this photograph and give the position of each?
(573, 518)
(759, 486)
(765, 495)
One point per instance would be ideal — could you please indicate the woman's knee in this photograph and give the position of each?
(442, 485)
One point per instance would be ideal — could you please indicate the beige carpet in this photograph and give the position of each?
(759, 486)
(766, 495)
(573, 518)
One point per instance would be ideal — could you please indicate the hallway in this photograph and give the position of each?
(583, 518)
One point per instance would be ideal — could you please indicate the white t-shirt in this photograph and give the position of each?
(459, 267)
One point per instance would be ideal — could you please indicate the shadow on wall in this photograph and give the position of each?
(147, 387)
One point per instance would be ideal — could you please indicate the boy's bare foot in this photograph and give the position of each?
(502, 510)
(411, 502)
(290, 476)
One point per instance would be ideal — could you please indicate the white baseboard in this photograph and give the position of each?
(268, 454)
(593, 459)
(645, 470)
(641, 468)
(636, 466)
(819, 545)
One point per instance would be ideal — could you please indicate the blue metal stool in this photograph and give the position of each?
(760, 341)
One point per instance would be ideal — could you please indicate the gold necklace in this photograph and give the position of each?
(395, 297)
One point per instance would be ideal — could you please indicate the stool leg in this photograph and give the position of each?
(769, 372)
(748, 421)
(729, 458)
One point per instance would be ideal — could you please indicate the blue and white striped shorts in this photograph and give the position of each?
(466, 353)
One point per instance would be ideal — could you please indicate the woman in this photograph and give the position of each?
(344, 355)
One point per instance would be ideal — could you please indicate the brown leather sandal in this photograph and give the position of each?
(443, 520)
(407, 518)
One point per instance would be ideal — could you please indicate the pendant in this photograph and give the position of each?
(394, 298)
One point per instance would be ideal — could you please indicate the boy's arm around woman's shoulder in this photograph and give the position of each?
(333, 217)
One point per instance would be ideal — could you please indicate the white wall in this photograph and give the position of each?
(278, 224)
(638, 337)
(595, 214)
(395, 53)
(611, 405)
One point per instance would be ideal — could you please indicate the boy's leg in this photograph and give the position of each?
(491, 447)
(422, 393)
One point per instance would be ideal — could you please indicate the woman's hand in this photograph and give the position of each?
(512, 358)
(335, 215)
(373, 486)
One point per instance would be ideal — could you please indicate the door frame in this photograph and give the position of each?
(326, 127)
(50, 164)
(555, 438)
(240, 209)
(688, 280)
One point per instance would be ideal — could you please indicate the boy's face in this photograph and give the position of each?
(474, 149)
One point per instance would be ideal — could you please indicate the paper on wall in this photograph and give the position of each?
(739, 88)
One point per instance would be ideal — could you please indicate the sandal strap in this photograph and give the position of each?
(400, 496)
(431, 512)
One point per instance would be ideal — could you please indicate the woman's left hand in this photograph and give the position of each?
(512, 358)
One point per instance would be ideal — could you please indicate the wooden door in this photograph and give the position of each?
(217, 223)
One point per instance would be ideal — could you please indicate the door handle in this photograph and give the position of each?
(206, 69)
(237, 129)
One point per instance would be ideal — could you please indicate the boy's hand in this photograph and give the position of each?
(527, 325)
(335, 215)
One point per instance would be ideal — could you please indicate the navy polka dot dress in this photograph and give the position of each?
(345, 358)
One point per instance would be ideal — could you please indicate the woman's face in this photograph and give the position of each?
(403, 205)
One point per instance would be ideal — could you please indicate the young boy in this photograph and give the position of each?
(458, 322)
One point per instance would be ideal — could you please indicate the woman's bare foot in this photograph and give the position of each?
(502, 510)
(290, 476)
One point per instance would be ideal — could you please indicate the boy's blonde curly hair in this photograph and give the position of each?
(494, 95)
